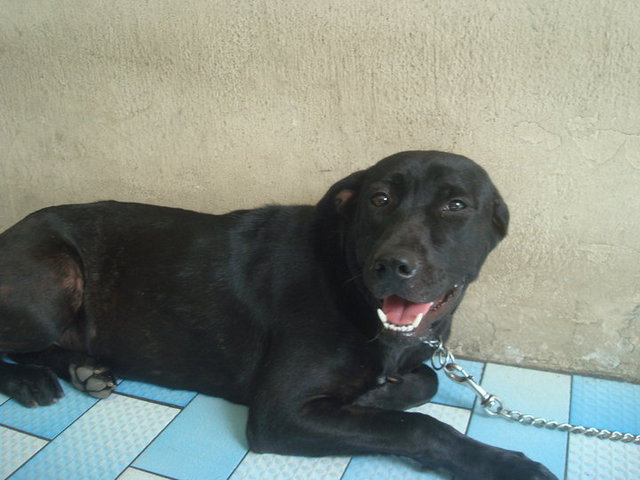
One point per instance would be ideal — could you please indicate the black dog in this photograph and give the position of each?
(314, 317)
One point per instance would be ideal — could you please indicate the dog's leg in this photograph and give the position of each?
(41, 292)
(326, 426)
(84, 372)
(402, 391)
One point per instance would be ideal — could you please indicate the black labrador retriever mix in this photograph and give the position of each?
(314, 316)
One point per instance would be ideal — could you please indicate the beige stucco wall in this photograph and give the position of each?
(220, 105)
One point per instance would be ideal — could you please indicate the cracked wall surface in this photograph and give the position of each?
(222, 105)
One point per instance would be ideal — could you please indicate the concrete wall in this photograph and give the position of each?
(215, 105)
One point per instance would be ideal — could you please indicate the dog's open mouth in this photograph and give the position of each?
(400, 315)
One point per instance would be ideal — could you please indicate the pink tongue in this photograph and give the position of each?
(403, 312)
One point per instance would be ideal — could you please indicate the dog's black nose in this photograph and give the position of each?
(403, 265)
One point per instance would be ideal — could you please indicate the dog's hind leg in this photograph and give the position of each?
(41, 293)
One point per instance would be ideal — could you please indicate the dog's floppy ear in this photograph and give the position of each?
(342, 194)
(500, 219)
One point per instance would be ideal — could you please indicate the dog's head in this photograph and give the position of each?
(416, 229)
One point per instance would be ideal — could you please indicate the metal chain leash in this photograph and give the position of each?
(443, 359)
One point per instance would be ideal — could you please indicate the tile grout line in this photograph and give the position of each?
(8, 477)
(567, 449)
(27, 460)
(475, 399)
(35, 435)
(239, 463)
(344, 472)
(74, 421)
(156, 437)
(152, 400)
(50, 441)
(145, 471)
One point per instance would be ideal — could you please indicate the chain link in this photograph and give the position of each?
(443, 359)
(540, 422)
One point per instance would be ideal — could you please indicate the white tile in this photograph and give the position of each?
(15, 449)
(592, 458)
(135, 474)
(280, 467)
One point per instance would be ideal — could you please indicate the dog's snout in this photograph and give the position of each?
(402, 265)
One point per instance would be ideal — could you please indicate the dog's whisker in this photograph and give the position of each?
(352, 279)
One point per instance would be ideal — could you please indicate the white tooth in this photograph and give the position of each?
(399, 328)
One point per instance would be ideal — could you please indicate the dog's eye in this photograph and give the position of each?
(455, 205)
(379, 199)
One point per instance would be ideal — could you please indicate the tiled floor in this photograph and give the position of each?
(148, 433)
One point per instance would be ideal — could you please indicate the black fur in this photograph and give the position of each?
(274, 308)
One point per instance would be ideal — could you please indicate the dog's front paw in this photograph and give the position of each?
(510, 465)
(93, 379)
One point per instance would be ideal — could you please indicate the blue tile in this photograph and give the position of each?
(180, 398)
(605, 404)
(102, 443)
(49, 421)
(206, 441)
(390, 468)
(454, 394)
(533, 392)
